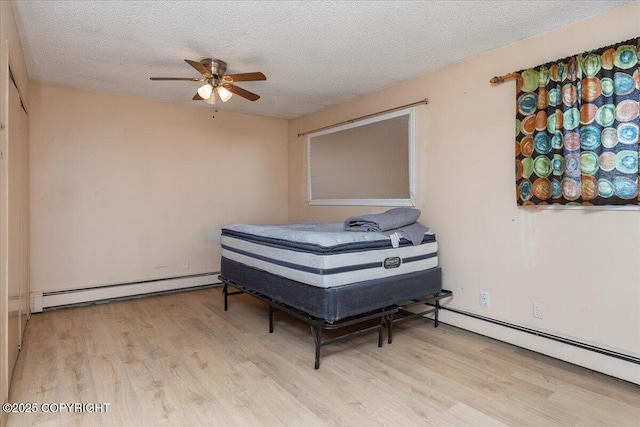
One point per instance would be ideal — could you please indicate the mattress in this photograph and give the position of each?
(323, 254)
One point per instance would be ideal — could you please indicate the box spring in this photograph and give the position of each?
(338, 302)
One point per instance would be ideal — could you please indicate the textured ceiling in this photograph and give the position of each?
(314, 54)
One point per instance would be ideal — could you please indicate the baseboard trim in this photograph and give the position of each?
(615, 364)
(42, 301)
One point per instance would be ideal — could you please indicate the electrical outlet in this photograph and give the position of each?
(537, 310)
(186, 264)
(484, 299)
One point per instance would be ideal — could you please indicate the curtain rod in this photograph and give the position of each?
(424, 101)
(501, 79)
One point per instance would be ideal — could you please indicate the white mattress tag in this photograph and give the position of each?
(395, 240)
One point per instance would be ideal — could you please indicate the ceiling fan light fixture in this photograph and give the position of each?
(225, 94)
(217, 83)
(205, 91)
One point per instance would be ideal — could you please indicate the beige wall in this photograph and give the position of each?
(582, 266)
(126, 189)
(14, 196)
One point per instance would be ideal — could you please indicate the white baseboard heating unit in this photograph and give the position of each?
(42, 301)
(606, 361)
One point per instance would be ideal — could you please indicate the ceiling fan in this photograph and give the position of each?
(217, 82)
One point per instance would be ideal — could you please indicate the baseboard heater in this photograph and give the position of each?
(43, 301)
(619, 365)
(581, 345)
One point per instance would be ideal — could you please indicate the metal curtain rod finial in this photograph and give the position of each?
(501, 79)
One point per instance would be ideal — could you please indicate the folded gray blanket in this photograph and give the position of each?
(399, 220)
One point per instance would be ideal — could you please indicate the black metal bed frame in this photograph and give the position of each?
(386, 315)
(433, 301)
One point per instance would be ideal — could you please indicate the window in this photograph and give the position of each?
(370, 162)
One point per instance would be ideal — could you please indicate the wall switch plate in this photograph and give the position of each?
(484, 299)
(537, 310)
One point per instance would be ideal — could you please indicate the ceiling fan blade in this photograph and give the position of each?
(244, 77)
(197, 97)
(177, 78)
(201, 68)
(241, 92)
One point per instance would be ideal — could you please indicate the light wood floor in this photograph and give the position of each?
(180, 360)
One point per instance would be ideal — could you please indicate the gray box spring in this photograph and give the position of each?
(332, 304)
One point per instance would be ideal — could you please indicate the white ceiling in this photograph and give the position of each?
(314, 53)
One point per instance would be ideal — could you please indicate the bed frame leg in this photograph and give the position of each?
(271, 310)
(390, 328)
(316, 331)
(225, 291)
(435, 317)
(380, 333)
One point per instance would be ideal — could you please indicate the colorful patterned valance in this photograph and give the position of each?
(577, 123)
